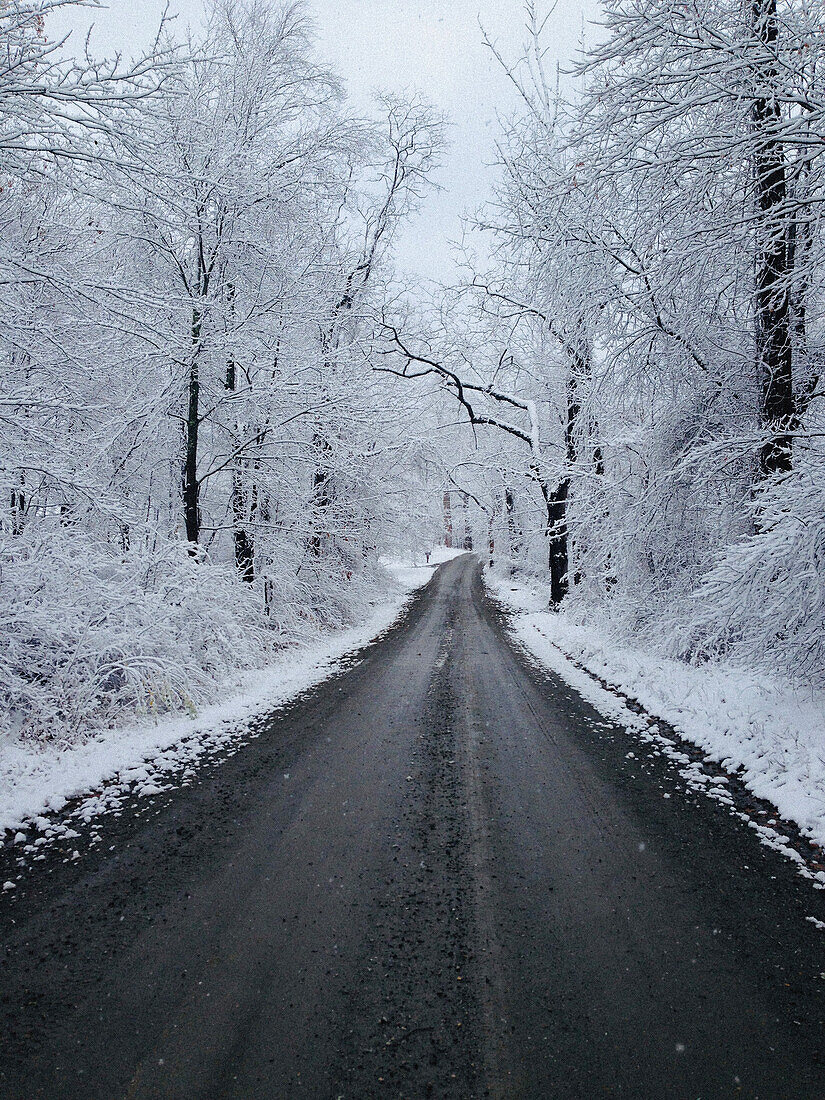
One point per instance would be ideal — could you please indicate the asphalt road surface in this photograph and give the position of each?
(438, 874)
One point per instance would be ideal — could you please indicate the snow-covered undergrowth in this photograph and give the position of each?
(763, 602)
(90, 635)
(40, 774)
(773, 730)
(93, 635)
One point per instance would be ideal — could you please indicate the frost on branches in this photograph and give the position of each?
(218, 407)
(198, 461)
(641, 357)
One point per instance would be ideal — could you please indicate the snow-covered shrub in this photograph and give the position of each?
(90, 633)
(306, 593)
(763, 603)
(671, 499)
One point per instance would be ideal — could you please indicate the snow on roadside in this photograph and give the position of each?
(38, 779)
(412, 572)
(771, 732)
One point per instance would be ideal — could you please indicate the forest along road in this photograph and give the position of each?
(438, 874)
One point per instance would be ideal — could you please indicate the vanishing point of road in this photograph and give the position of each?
(439, 874)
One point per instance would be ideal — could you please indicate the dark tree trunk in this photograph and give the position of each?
(269, 595)
(18, 510)
(243, 540)
(513, 531)
(598, 461)
(465, 515)
(558, 553)
(773, 314)
(556, 500)
(191, 485)
(244, 555)
(244, 544)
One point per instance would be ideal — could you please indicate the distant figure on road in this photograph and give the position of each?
(427, 556)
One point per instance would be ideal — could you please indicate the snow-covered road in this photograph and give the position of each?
(440, 873)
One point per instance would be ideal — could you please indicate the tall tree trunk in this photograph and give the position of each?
(555, 502)
(321, 494)
(598, 460)
(191, 485)
(513, 530)
(448, 521)
(244, 546)
(18, 509)
(241, 514)
(465, 515)
(772, 306)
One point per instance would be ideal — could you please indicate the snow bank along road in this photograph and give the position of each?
(438, 874)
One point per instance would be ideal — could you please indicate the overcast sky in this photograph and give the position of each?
(432, 46)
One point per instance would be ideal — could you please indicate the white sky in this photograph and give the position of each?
(432, 46)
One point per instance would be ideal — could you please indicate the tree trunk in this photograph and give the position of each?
(244, 544)
(191, 486)
(772, 305)
(598, 460)
(513, 532)
(244, 555)
(579, 370)
(557, 499)
(465, 515)
(18, 510)
(243, 540)
(321, 495)
(558, 554)
(448, 521)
